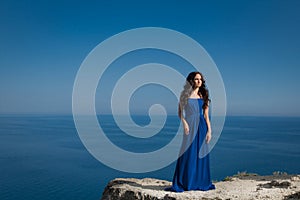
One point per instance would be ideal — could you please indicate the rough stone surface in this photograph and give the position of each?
(241, 186)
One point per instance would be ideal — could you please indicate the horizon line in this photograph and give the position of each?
(139, 114)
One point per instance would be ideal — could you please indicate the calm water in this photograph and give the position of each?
(42, 157)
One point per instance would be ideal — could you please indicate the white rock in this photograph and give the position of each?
(244, 187)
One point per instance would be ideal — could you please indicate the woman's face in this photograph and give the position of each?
(197, 81)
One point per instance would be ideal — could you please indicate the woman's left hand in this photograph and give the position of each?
(208, 136)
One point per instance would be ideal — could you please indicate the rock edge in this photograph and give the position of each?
(241, 186)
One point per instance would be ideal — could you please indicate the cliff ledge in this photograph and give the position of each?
(241, 186)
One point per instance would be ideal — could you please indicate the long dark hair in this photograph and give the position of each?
(188, 89)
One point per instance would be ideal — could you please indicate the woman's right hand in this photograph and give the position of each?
(186, 128)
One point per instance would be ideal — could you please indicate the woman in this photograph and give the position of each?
(192, 168)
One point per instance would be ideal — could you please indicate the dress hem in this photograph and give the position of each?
(172, 189)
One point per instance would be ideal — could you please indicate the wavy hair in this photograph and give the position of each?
(188, 89)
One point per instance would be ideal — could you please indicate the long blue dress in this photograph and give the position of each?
(192, 170)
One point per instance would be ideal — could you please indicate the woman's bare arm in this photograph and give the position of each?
(181, 117)
(206, 116)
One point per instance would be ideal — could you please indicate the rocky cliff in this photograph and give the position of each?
(243, 186)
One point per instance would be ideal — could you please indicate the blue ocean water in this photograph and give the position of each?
(42, 157)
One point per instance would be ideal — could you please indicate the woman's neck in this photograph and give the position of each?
(196, 90)
(195, 93)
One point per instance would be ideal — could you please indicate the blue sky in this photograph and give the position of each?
(255, 45)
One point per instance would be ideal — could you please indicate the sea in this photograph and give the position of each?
(42, 156)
